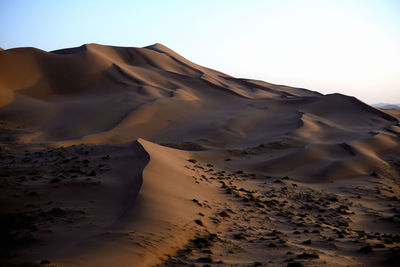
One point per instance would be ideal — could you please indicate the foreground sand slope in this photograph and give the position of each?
(115, 215)
(160, 222)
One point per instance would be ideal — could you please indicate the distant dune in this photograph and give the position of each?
(387, 106)
(102, 136)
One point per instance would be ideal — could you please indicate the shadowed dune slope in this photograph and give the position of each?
(100, 191)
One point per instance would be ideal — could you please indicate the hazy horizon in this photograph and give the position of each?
(348, 47)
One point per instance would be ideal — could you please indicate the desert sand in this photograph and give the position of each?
(119, 156)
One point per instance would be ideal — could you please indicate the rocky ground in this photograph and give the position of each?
(277, 221)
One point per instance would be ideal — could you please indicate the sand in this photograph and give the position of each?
(118, 156)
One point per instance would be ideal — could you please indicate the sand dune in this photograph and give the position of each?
(118, 156)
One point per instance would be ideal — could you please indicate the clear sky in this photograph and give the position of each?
(346, 46)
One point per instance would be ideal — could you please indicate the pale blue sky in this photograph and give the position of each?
(346, 46)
